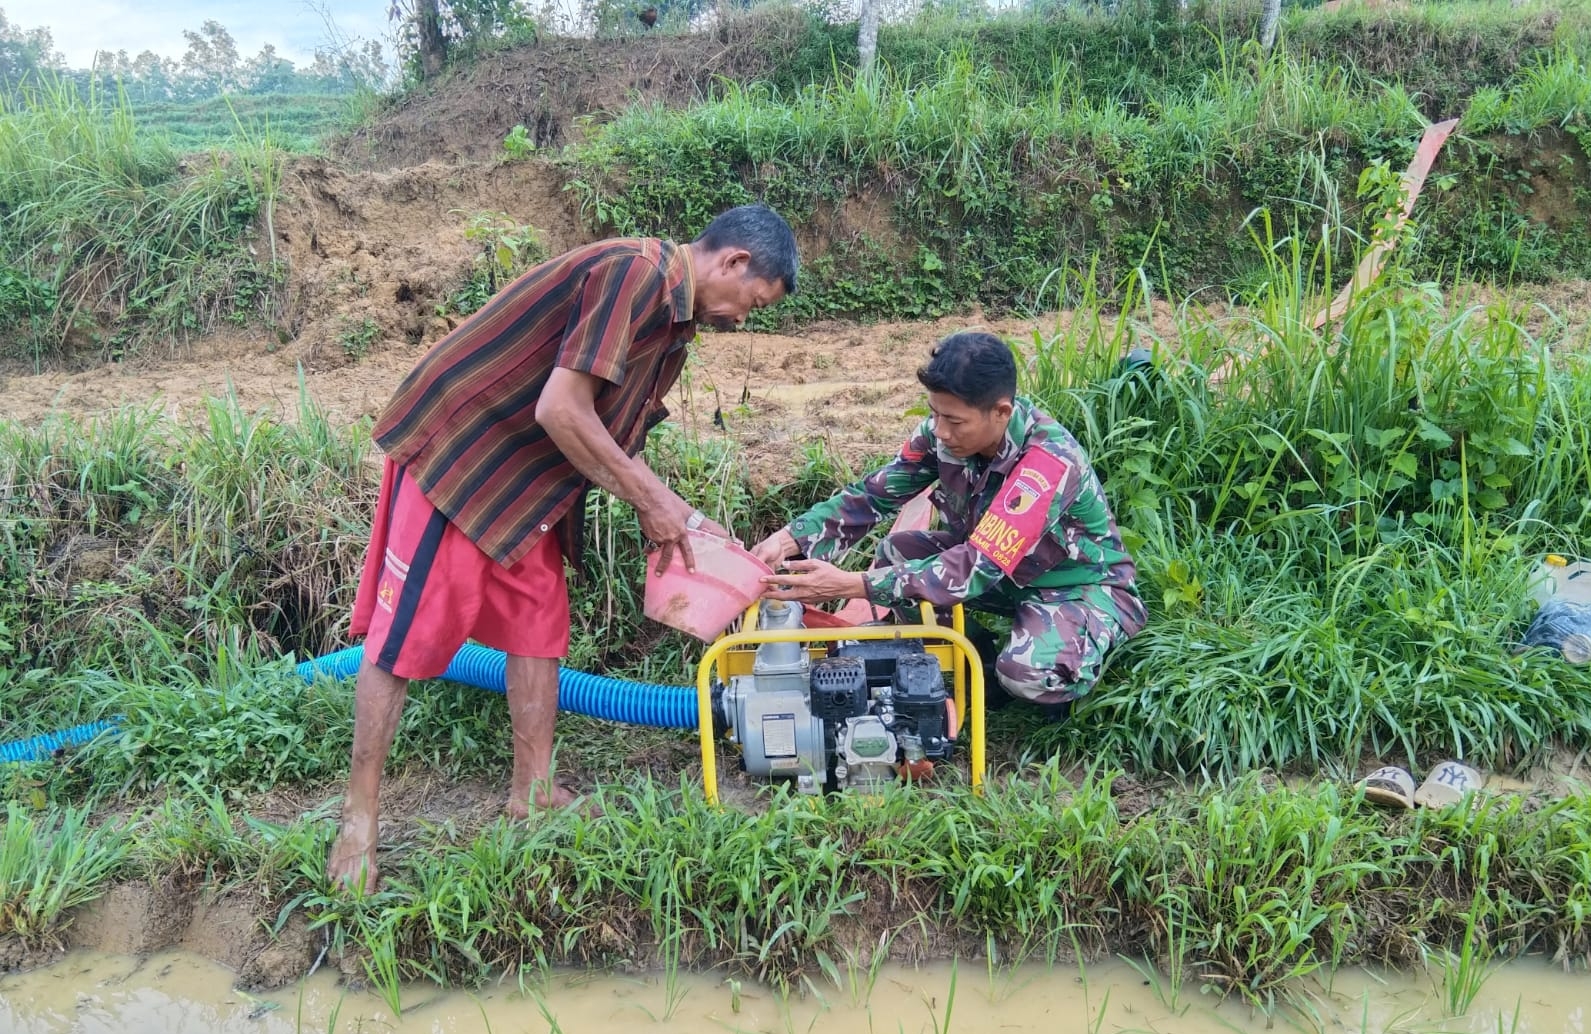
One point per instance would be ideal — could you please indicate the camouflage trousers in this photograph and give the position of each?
(1059, 637)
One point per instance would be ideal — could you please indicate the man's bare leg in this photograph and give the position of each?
(533, 711)
(378, 704)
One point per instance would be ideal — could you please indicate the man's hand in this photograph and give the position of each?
(814, 581)
(781, 545)
(668, 521)
(567, 412)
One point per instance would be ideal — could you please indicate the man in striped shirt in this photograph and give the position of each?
(492, 443)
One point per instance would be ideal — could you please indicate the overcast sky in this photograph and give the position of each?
(295, 27)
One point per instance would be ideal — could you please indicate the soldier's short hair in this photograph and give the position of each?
(974, 366)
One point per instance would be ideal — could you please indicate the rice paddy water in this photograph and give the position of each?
(92, 993)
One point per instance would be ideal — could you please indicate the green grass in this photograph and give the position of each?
(293, 122)
(108, 241)
(989, 184)
(1341, 535)
(49, 864)
(1246, 889)
(1147, 48)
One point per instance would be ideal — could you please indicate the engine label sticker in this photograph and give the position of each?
(779, 735)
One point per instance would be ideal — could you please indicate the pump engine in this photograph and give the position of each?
(864, 715)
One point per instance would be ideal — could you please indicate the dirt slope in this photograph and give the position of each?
(372, 255)
(550, 86)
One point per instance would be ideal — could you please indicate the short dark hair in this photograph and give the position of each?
(762, 232)
(974, 366)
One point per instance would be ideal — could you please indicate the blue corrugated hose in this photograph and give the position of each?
(37, 747)
(637, 703)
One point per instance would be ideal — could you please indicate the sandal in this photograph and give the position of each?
(1390, 787)
(1446, 784)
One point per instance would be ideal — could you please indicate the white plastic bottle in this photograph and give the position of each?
(1557, 578)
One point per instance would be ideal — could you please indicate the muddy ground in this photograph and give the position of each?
(849, 385)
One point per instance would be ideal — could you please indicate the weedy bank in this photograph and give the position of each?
(111, 238)
(985, 152)
(988, 151)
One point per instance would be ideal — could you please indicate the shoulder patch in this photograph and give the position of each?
(1017, 519)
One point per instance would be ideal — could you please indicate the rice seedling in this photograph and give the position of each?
(331, 1018)
(1001, 972)
(861, 968)
(950, 1001)
(673, 992)
(1466, 971)
(1096, 1022)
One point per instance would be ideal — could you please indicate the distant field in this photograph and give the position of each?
(293, 122)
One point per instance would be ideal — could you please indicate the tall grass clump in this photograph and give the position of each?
(50, 864)
(1335, 527)
(127, 533)
(109, 237)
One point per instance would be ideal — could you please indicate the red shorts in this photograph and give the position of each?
(427, 589)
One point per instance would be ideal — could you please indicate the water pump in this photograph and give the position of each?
(865, 713)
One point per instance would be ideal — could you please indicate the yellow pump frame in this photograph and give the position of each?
(734, 653)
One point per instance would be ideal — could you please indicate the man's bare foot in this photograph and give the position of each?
(561, 797)
(352, 861)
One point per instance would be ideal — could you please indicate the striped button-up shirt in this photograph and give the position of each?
(464, 420)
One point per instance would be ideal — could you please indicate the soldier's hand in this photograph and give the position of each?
(813, 581)
(776, 547)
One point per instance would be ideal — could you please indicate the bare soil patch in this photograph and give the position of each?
(375, 256)
(848, 385)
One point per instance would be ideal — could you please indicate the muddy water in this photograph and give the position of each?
(177, 994)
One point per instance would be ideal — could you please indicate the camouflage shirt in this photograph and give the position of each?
(1032, 518)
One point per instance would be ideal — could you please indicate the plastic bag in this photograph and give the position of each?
(1562, 625)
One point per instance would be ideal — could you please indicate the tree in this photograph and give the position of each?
(432, 31)
(351, 67)
(25, 52)
(423, 26)
(156, 76)
(269, 72)
(1270, 14)
(867, 36)
(212, 57)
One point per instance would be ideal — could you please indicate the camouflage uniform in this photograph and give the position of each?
(1027, 534)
